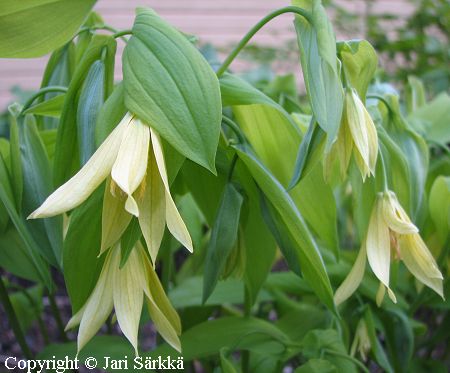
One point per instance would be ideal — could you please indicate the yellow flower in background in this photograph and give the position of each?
(358, 135)
(123, 289)
(391, 228)
(132, 156)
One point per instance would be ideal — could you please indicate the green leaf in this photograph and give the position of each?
(439, 206)
(81, 247)
(320, 67)
(312, 265)
(309, 153)
(317, 366)
(225, 363)
(37, 178)
(281, 234)
(66, 153)
(50, 108)
(223, 237)
(32, 248)
(27, 305)
(32, 28)
(14, 257)
(92, 95)
(112, 111)
(129, 238)
(432, 118)
(15, 159)
(415, 95)
(328, 343)
(171, 87)
(359, 61)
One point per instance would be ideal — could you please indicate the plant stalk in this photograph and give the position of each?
(57, 315)
(255, 29)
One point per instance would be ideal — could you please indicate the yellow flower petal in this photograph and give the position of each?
(129, 168)
(75, 319)
(344, 145)
(353, 279)
(373, 141)
(98, 306)
(152, 208)
(356, 124)
(378, 244)
(81, 185)
(173, 218)
(420, 262)
(394, 215)
(128, 295)
(114, 219)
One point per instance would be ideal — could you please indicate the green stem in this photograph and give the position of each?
(384, 174)
(41, 92)
(57, 315)
(234, 127)
(14, 322)
(232, 167)
(122, 33)
(383, 100)
(255, 29)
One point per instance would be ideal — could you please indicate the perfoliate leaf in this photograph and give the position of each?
(171, 87)
(32, 28)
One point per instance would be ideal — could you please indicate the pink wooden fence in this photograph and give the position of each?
(221, 22)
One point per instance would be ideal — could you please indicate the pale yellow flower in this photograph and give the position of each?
(133, 158)
(123, 289)
(358, 135)
(391, 228)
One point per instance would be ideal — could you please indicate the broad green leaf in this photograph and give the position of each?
(14, 257)
(37, 179)
(32, 248)
(317, 45)
(66, 153)
(223, 237)
(50, 108)
(81, 247)
(439, 206)
(15, 159)
(312, 265)
(316, 341)
(359, 62)
(171, 87)
(128, 240)
(27, 305)
(32, 28)
(92, 95)
(432, 118)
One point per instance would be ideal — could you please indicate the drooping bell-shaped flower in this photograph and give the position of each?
(132, 156)
(357, 135)
(124, 289)
(391, 228)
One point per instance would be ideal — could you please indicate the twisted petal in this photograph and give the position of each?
(164, 316)
(420, 262)
(81, 185)
(353, 279)
(173, 218)
(98, 306)
(114, 219)
(378, 244)
(394, 215)
(152, 208)
(131, 163)
(128, 295)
